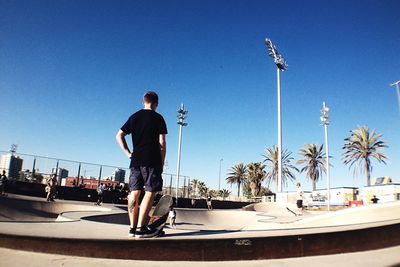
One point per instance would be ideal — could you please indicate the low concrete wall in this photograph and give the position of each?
(216, 204)
(90, 195)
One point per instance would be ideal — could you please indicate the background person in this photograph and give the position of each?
(172, 217)
(209, 203)
(3, 182)
(299, 198)
(374, 200)
(100, 192)
(51, 187)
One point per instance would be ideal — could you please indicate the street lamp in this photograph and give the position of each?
(219, 176)
(398, 91)
(181, 118)
(281, 66)
(325, 121)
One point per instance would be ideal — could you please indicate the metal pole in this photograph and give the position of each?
(79, 173)
(170, 185)
(219, 175)
(184, 186)
(279, 181)
(59, 182)
(101, 167)
(179, 162)
(188, 192)
(34, 166)
(327, 167)
(325, 122)
(398, 93)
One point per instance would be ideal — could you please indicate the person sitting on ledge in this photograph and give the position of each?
(374, 200)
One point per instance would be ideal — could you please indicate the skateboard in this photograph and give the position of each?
(295, 214)
(159, 216)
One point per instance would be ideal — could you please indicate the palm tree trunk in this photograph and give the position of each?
(314, 185)
(239, 189)
(367, 174)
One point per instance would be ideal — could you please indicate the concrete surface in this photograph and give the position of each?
(70, 219)
(388, 257)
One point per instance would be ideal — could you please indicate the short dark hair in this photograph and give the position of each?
(150, 97)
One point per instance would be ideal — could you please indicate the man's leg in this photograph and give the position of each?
(153, 183)
(145, 207)
(133, 208)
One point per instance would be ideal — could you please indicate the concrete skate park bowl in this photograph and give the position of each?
(263, 231)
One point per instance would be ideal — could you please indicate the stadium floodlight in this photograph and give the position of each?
(278, 59)
(281, 66)
(13, 148)
(181, 122)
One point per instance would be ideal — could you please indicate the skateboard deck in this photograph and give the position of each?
(160, 214)
(295, 214)
(163, 206)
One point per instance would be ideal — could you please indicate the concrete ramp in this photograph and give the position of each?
(23, 210)
(201, 235)
(190, 219)
(384, 212)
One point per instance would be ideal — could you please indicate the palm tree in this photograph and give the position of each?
(255, 175)
(195, 187)
(203, 189)
(315, 163)
(213, 193)
(237, 175)
(271, 160)
(224, 193)
(360, 147)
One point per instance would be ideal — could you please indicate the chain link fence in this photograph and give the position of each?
(70, 173)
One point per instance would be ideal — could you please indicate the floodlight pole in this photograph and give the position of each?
(398, 91)
(278, 72)
(181, 117)
(219, 175)
(325, 122)
(281, 66)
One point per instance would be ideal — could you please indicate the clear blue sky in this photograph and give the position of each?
(71, 72)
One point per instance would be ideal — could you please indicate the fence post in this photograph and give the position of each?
(34, 166)
(170, 185)
(101, 167)
(79, 174)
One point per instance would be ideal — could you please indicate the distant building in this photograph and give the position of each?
(385, 193)
(12, 165)
(87, 183)
(119, 175)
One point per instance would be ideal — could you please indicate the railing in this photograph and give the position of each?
(36, 168)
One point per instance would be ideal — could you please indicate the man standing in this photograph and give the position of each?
(3, 182)
(100, 191)
(299, 198)
(148, 130)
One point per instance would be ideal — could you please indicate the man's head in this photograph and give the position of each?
(150, 99)
(298, 184)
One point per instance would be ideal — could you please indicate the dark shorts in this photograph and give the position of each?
(299, 203)
(148, 178)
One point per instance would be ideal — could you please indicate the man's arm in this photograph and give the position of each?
(163, 148)
(122, 143)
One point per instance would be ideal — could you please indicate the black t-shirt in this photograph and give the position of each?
(145, 127)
